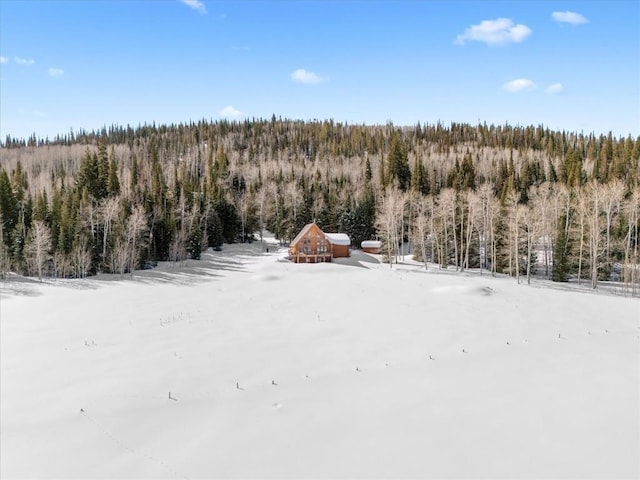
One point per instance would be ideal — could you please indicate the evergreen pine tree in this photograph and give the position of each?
(40, 207)
(367, 171)
(113, 184)
(194, 240)
(134, 174)
(398, 163)
(9, 209)
(560, 271)
(213, 229)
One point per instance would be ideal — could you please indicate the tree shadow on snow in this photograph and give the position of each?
(20, 287)
(357, 259)
(233, 258)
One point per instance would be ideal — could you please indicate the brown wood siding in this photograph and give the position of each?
(341, 251)
(311, 246)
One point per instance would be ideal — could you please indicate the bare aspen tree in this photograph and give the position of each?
(448, 213)
(613, 193)
(562, 202)
(493, 211)
(119, 256)
(273, 194)
(178, 246)
(596, 194)
(136, 227)
(262, 198)
(482, 224)
(61, 265)
(473, 215)
(540, 201)
(177, 249)
(489, 206)
(38, 247)
(293, 193)
(421, 227)
(630, 267)
(387, 222)
(108, 210)
(400, 222)
(241, 197)
(582, 211)
(461, 204)
(182, 211)
(89, 214)
(81, 258)
(431, 207)
(531, 222)
(402, 213)
(514, 217)
(452, 201)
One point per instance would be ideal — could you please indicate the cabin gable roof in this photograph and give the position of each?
(306, 229)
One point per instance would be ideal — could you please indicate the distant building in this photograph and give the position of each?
(312, 245)
(371, 246)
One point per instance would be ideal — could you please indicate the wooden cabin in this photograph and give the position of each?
(340, 243)
(311, 245)
(371, 246)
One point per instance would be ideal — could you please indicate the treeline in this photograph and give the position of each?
(492, 196)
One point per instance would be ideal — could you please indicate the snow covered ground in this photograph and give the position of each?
(244, 365)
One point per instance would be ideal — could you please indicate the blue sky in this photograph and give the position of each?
(84, 64)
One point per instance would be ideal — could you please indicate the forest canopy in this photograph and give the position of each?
(496, 196)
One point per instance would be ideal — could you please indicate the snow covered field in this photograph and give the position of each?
(343, 370)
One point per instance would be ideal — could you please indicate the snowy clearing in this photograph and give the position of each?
(244, 365)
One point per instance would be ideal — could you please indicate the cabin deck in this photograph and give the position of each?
(311, 258)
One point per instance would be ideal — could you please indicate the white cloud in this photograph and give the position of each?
(197, 5)
(554, 89)
(304, 76)
(55, 72)
(24, 61)
(519, 85)
(4, 60)
(494, 32)
(230, 112)
(569, 17)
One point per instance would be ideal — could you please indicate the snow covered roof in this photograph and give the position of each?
(371, 244)
(339, 238)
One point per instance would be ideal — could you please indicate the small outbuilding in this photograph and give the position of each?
(371, 246)
(340, 243)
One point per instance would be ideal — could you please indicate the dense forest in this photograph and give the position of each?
(518, 200)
